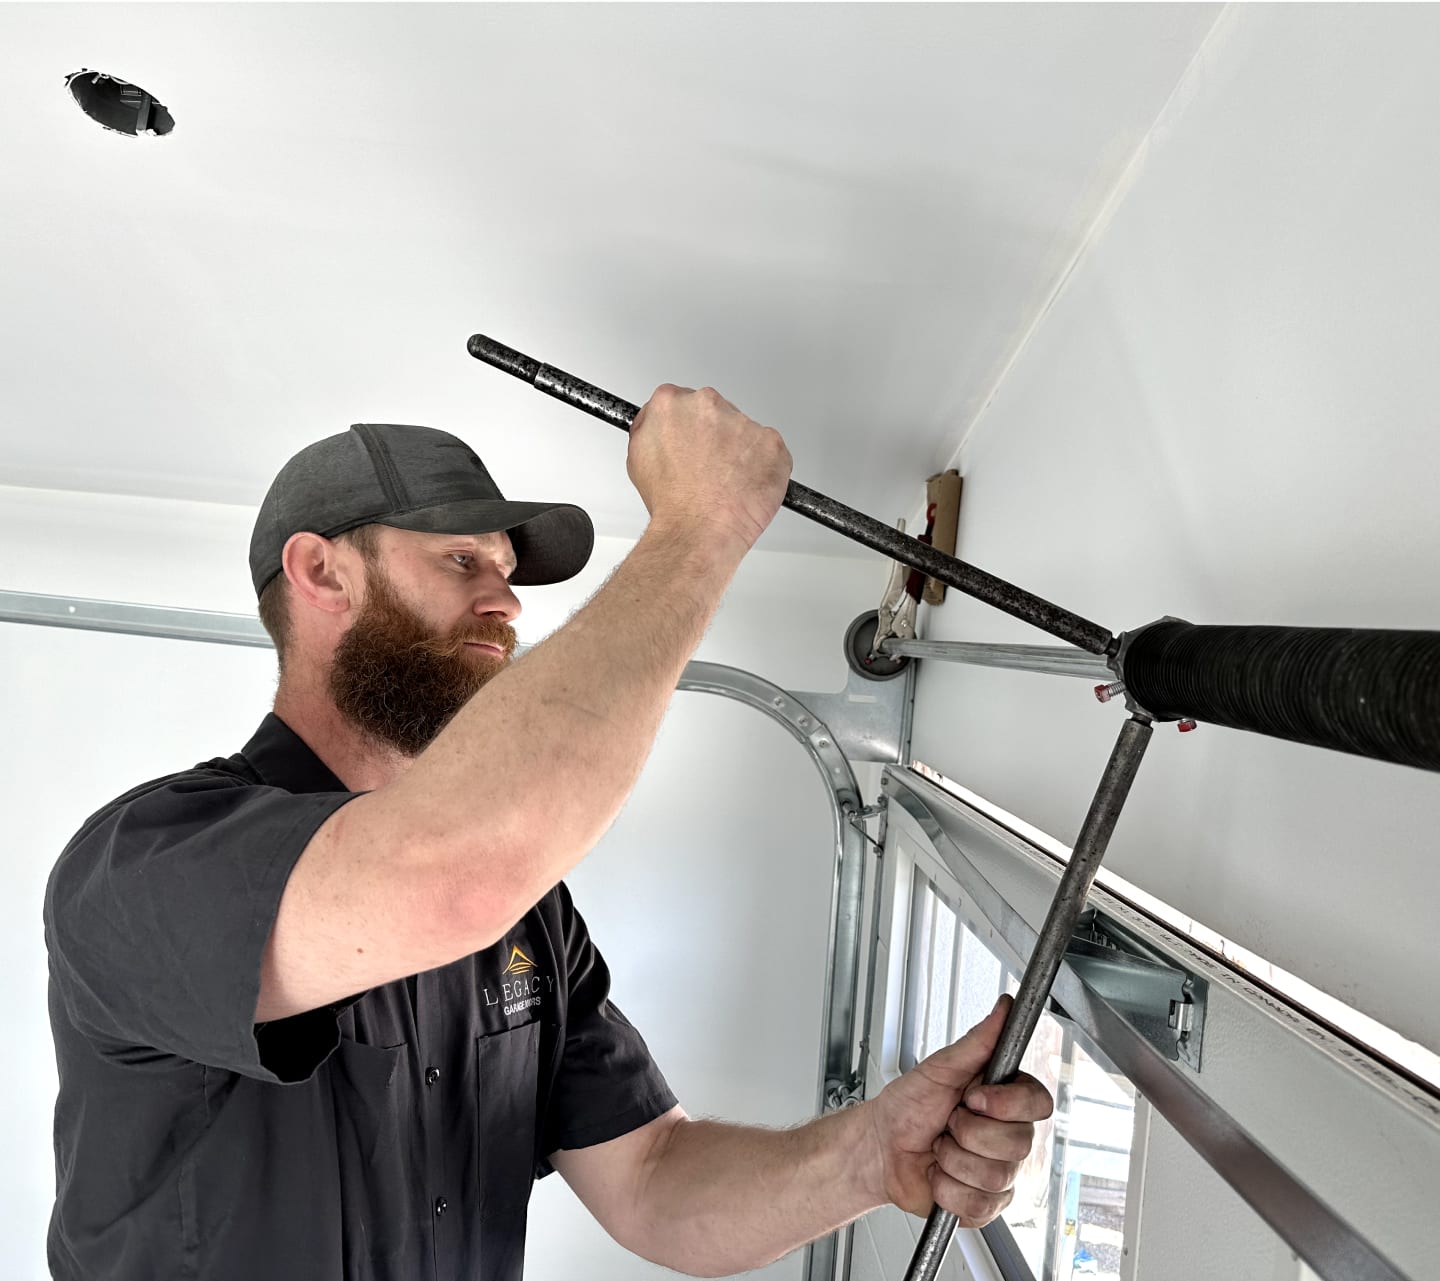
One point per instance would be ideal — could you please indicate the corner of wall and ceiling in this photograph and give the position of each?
(1180, 97)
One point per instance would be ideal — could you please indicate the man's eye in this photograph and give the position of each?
(463, 559)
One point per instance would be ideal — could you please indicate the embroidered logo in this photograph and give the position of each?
(522, 986)
(519, 962)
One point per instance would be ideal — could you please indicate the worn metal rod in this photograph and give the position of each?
(1050, 945)
(823, 510)
(1053, 660)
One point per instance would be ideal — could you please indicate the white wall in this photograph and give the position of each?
(709, 897)
(1192, 1225)
(1228, 414)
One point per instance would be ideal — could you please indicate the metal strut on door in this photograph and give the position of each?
(1371, 692)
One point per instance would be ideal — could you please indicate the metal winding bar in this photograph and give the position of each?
(823, 510)
(1045, 960)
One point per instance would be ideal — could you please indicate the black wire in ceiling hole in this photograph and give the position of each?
(118, 105)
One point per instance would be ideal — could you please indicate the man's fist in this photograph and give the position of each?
(942, 1139)
(698, 461)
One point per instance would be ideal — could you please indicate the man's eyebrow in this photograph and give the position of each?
(471, 542)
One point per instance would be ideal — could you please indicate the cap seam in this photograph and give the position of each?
(396, 492)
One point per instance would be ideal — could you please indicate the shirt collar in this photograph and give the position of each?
(283, 759)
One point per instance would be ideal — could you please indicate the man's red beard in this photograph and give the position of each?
(396, 681)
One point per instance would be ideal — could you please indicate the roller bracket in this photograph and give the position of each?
(870, 718)
(1165, 1005)
(844, 1094)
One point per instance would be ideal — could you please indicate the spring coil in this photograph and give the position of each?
(1371, 692)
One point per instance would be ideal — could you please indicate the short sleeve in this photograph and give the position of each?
(606, 1084)
(157, 915)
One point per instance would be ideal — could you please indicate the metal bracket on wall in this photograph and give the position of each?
(1164, 1004)
(870, 719)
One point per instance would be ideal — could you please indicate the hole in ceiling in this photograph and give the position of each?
(118, 105)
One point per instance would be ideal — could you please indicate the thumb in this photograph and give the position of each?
(962, 1061)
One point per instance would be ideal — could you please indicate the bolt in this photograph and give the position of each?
(1104, 693)
(1186, 726)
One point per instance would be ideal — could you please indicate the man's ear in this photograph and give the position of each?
(319, 574)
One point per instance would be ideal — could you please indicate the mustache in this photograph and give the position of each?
(483, 631)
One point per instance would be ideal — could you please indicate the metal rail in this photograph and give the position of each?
(164, 621)
(1327, 1240)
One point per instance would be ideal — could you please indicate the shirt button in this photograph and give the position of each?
(432, 1075)
(441, 1205)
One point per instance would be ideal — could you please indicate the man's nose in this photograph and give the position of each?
(498, 599)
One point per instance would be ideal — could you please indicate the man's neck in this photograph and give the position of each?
(360, 762)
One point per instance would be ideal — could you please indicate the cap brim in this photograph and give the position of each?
(553, 541)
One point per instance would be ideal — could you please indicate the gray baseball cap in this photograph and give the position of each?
(412, 478)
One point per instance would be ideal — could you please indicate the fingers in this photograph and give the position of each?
(973, 1207)
(973, 1170)
(700, 462)
(1023, 1099)
(976, 1163)
(979, 1156)
(989, 1139)
(988, 1130)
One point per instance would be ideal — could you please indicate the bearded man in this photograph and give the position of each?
(324, 1009)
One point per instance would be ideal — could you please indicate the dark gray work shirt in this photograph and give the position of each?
(391, 1136)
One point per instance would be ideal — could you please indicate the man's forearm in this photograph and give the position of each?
(721, 1199)
(532, 771)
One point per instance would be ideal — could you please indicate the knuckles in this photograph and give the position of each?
(985, 1173)
(985, 1208)
(701, 431)
(1024, 1099)
(973, 1207)
(997, 1140)
(998, 1178)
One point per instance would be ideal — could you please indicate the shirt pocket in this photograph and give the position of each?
(507, 1072)
(369, 1084)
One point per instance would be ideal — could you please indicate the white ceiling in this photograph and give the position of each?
(844, 217)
